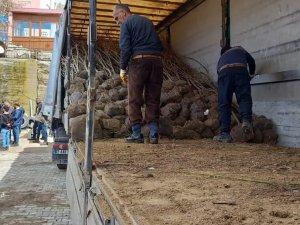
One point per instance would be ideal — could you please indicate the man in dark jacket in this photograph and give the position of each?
(140, 49)
(18, 118)
(234, 77)
(6, 122)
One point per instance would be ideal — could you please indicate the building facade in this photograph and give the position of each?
(33, 28)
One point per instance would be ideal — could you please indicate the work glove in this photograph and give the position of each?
(123, 76)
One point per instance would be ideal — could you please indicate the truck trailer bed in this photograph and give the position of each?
(197, 182)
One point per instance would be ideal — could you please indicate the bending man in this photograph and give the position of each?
(234, 77)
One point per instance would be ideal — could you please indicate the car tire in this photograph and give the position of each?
(25, 122)
(62, 166)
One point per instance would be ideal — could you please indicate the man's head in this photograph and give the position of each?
(37, 100)
(6, 102)
(16, 104)
(5, 108)
(121, 12)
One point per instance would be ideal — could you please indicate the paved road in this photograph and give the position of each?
(32, 188)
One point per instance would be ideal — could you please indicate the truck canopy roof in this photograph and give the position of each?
(162, 13)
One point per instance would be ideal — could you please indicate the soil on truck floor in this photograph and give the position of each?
(202, 182)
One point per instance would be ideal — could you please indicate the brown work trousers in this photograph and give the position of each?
(145, 78)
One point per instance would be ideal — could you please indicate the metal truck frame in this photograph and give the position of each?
(54, 104)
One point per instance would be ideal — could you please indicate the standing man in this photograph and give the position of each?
(18, 118)
(5, 126)
(141, 51)
(234, 77)
(38, 108)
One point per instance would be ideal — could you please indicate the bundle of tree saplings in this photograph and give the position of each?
(188, 100)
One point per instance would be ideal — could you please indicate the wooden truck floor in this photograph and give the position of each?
(199, 182)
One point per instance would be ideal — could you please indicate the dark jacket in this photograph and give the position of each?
(5, 119)
(236, 55)
(138, 36)
(17, 117)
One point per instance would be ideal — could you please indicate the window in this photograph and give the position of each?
(48, 29)
(21, 29)
(35, 29)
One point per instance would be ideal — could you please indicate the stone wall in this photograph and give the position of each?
(24, 79)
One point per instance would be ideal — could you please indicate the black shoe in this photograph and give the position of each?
(153, 139)
(14, 144)
(223, 137)
(132, 139)
(31, 139)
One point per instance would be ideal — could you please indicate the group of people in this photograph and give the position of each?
(11, 118)
(142, 70)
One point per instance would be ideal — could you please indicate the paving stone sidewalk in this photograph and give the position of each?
(32, 188)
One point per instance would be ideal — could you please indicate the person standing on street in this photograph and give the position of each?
(17, 117)
(236, 67)
(42, 127)
(5, 126)
(141, 51)
(38, 108)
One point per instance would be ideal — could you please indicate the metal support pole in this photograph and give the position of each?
(67, 80)
(68, 45)
(91, 94)
(225, 23)
(168, 36)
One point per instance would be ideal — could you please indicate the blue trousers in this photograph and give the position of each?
(240, 85)
(5, 133)
(16, 134)
(42, 127)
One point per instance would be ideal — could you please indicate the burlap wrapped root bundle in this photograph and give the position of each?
(181, 114)
(189, 105)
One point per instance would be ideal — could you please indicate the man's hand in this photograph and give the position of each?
(252, 76)
(123, 76)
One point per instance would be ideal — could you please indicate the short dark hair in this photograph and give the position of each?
(225, 49)
(124, 7)
(17, 103)
(5, 108)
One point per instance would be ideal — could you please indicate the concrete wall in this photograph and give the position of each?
(18, 80)
(197, 35)
(23, 80)
(269, 30)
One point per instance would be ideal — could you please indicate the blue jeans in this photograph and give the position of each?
(42, 127)
(240, 85)
(16, 134)
(5, 133)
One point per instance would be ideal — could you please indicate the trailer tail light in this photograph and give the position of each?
(60, 146)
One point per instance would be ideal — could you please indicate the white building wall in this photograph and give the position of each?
(197, 35)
